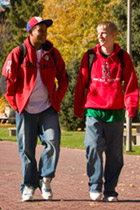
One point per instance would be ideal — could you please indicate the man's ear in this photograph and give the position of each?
(114, 35)
(30, 31)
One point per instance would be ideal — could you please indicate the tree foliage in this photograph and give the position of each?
(17, 17)
(119, 11)
(13, 26)
(3, 30)
(67, 118)
(75, 22)
(73, 32)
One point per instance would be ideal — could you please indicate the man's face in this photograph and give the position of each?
(105, 36)
(38, 33)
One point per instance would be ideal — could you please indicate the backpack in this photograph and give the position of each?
(91, 56)
(23, 51)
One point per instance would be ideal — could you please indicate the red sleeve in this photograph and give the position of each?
(9, 76)
(131, 97)
(61, 75)
(80, 89)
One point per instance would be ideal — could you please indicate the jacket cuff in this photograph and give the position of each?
(131, 111)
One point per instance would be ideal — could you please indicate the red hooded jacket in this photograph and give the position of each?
(18, 81)
(105, 88)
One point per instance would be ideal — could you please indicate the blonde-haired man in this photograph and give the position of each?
(104, 104)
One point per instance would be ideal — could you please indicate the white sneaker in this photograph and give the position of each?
(46, 188)
(28, 193)
(111, 199)
(96, 196)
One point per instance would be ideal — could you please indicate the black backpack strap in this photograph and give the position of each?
(120, 56)
(23, 51)
(53, 55)
(91, 55)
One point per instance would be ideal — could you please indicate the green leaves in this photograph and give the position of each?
(119, 12)
(75, 22)
(17, 18)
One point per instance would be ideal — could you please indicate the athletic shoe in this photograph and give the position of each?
(28, 193)
(111, 199)
(95, 196)
(46, 188)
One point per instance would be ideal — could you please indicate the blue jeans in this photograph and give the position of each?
(29, 127)
(104, 137)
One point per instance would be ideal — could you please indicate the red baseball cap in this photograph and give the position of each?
(37, 20)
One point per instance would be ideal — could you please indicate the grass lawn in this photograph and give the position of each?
(69, 139)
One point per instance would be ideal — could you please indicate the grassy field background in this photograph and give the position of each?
(69, 139)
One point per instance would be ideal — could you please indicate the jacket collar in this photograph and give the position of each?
(46, 47)
(116, 49)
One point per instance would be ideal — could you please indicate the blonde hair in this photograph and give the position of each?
(109, 25)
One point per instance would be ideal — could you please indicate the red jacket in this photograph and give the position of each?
(18, 81)
(105, 89)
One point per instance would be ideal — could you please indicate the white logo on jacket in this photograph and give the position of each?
(46, 58)
(8, 67)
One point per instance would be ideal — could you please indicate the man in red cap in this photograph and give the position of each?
(30, 89)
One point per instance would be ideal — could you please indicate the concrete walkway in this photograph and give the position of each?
(70, 186)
